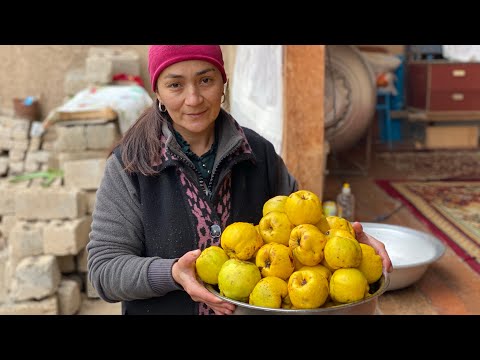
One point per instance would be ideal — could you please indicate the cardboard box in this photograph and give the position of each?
(451, 137)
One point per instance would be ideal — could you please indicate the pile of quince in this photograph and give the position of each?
(294, 258)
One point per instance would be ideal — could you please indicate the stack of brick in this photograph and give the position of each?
(14, 143)
(44, 230)
(101, 65)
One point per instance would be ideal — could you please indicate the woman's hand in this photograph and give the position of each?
(183, 272)
(376, 244)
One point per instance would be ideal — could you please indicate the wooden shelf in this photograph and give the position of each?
(429, 116)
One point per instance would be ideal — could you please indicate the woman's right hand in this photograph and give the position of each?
(183, 272)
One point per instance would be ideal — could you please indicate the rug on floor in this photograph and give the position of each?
(435, 165)
(451, 209)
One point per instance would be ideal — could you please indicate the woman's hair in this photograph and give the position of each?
(141, 144)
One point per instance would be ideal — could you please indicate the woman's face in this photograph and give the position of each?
(192, 93)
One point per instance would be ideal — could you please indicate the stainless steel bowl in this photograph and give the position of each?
(364, 307)
(411, 251)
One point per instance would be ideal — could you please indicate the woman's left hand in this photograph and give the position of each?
(379, 247)
(183, 272)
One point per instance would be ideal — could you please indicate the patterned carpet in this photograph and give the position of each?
(451, 209)
(435, 165)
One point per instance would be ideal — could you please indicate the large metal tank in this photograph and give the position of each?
(350, 96)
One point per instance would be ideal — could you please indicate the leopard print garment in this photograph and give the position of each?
(202, 212)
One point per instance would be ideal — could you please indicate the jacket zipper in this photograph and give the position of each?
(210, 184)
(201, 181)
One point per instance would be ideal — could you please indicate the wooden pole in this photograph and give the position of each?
(303, 127)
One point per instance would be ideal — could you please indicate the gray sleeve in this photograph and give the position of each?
(116, 267)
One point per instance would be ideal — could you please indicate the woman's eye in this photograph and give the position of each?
(174, 85)
(206, 80)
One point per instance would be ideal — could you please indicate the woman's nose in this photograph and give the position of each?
(193, 96)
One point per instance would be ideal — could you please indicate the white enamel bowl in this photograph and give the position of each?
(411, 252)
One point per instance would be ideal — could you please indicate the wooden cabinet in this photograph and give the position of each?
(441, 86)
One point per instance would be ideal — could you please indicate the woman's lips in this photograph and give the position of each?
(197, 114)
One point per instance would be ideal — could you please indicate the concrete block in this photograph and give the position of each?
(91, 197)
(81, 155)
(5, 143)
(49, 145)
(31, 166)
(81, 260)
(67, 264)
(40, 156)
(16, 168)
(35, 144)
(6, 121)
(19, 135)
(101, 136)
(36, 277)
(8, 191)
(98, 70)
(48, 306)
(74, 81)
(19, 144)
(3, 165)
(50, 134)
(123, 61)
(66, 237)
(10, 267)
(78, 278)
(18, 124)
(7, 223)
(3, 283)
(69, 297)
(84, 174)
(126, 63)
(26, 239)
(16, 155)
(90, 290)
(70, 139)
(50, 203)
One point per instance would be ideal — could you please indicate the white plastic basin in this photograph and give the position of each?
(411, 251)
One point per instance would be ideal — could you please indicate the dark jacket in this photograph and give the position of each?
(178, 209)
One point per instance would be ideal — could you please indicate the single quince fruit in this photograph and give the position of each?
(303, 207)
(323, 224)
(342, 252)
(348, 285)
(237, 278)
(339, 232)
(209, 263)
(307, 289)
(240, 240)
(371, 265)
(275, 227)
(277, 203)
(337, 222)
(323, 270)
(275, 259)
(307, 243)
(269, 292)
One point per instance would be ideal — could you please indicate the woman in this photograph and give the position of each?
(181, 174)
